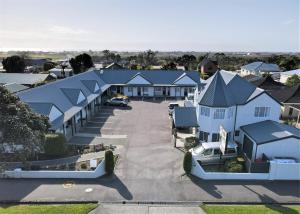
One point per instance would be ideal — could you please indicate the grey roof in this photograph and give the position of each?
(22, 78)
(156, 77)
(73, 94)
(225, 89)
(261, 66)
(269, 131)
(185, 117)
(55, 93)
(14, 87)
(91, 84)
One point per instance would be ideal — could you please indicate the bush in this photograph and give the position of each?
(83, 166)
(55, 145)
(233, 166)
(187, 162)
(109, 162)
(190, 142)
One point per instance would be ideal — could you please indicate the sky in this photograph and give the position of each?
(162, 25)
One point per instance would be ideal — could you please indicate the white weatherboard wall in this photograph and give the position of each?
(245, 113)
(277, 172)
(98, 172)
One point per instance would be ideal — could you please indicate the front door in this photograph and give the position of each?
(139, 91)
(185, 92)
(164, 91)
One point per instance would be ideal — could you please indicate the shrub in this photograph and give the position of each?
(187, 162)
(55, 145)
(190, 142)
(83, 166)
(233, 166)
(109, 162)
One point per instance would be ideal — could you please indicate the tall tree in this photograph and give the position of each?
(188, 61)
(169, 66)
(81, 63)
(20, 126)
(14, 64)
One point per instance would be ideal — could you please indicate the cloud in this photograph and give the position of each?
(288, 21)
(66, 30)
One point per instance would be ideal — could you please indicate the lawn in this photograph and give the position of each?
(52, 209)
(249, 209)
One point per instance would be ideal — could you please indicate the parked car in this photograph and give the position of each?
(116, 101)
(171, 107)
(211, 153)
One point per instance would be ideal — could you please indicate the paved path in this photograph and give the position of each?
(150, 169)
(146, 209)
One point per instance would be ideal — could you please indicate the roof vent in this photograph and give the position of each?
(101, 71)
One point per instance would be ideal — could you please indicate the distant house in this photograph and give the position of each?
(260, 68)
(207, 66)
(114, 66)
(59, 72)
(268, 84)
(285, 75)
(24, 78)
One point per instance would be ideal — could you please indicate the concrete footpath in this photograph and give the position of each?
(146, 209)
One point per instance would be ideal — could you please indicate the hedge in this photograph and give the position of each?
(55, 145)
(109, 162)
(187, 162)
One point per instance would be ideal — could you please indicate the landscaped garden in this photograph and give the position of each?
(249, 209)
(53, 209)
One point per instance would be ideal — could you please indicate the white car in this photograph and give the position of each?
(211, 153)
(117, 101)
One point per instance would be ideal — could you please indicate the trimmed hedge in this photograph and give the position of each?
(187, 162)
(55, 145)
(109, 162)
(233, 166)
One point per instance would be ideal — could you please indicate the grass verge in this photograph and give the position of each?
(53, 209)
(249, 209)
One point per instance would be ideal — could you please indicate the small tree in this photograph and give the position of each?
(81, 63)
(55, 145)
(187, 162)
(293, 80)
(14, 64)
(109, 162)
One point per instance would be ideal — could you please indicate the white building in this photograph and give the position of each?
(285, 75)
(260, 68)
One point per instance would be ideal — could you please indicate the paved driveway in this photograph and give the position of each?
(150, 169)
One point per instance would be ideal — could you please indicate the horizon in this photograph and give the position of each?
(134, 26)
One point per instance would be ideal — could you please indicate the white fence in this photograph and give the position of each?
(278, 171)
(99, 171)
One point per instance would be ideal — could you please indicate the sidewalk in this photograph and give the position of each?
(146, 209)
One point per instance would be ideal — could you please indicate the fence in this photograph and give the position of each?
(278, 171)
(18, 173)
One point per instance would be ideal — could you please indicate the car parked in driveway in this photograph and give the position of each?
(171, 107)
(210, 153)
(116, 101)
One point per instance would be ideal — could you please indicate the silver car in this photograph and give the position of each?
(117, 101)
(210, 153)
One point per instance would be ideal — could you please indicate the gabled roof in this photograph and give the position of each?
(75, 95)
(23, 78)
(156, 77)
(269, 131)
(14, 87)
(184, 79)
(140, 79)
(52, 93)
(225, 89)
(92, 85)
(185, 117)
(114, 65)
(266, 82)
(261, 66)
(288, 94)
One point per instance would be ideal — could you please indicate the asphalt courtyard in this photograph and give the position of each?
(149, 168)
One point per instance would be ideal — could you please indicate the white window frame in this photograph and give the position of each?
(205, 111)
(219, 113)
(262, 111)
(130, 89)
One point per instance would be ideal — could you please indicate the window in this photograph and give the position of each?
(205, 111)
(237, 133)
(191, 90)
(177, 90)
(219, 113)
(203, 136)
(158, 89)
(207, 152)
(215, 137)
(129, 89)
(145, 89)
(290, 111)
(262, 111)
(230, 113)
(217, 151)
(230, 151)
